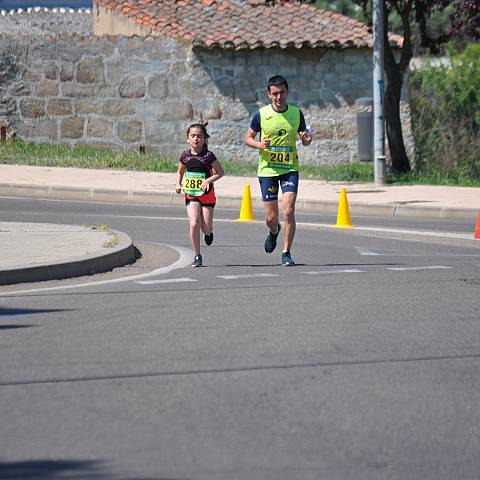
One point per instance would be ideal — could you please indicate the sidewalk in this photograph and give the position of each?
(314, 196)
(36, 252)
(47, 251)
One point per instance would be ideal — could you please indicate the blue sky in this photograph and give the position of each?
(15, 4)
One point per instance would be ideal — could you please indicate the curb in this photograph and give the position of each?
(172, 199)
(118, 256)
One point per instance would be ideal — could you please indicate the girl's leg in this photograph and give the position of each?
(194, 212)
(207, 220)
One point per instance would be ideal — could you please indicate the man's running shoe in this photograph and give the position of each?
(271, 240)
(197, 261)
(287, 260)
(208, 239)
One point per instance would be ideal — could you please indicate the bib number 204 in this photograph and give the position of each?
(279, 157)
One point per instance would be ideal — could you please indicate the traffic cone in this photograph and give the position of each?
(343, 216)
(246, 211)
(476, 233)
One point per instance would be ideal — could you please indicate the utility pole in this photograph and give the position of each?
(378, 92)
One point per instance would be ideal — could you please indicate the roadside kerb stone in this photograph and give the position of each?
(232, 201)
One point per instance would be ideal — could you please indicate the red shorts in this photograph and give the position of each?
(207, 199)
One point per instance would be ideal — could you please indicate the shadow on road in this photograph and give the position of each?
(11, 312)
(62, 469)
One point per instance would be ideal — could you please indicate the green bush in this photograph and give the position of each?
(445, 105)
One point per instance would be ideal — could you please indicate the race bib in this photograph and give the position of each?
(280, 155)
(192, 182)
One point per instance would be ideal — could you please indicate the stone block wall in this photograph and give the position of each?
(40, 20)
(131, 92)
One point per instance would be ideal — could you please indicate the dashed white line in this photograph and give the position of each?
(166, 280)
(325, 272)
(366, 251)
(429, 267)
(253, 275)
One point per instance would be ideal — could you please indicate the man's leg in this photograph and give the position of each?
(271, 215)
(289, 184)
(289, 224)
(269, 187)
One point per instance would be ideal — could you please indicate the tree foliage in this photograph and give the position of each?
(445, 103)
(463, 15)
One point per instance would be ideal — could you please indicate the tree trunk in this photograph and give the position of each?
(400, 162)
(395, 73)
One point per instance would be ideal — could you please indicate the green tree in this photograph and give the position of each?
(445, 103)
(464, 17)
(345, 7)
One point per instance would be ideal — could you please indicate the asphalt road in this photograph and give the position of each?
(361, 362)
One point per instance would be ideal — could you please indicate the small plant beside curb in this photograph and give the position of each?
(113, 240)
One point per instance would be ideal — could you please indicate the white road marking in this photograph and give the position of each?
(253, 275)
(357, 228)
(183, 261)
(429, 267)
(165, 280)
(366, 251)
(329, 226)
(324, 272)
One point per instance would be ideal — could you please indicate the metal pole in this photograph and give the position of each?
(378, 93)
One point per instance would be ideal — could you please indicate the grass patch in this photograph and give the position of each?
(102, 227)
(434, 177)
(113, 240)
(19, 153)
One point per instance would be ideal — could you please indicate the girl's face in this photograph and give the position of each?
(196, 139)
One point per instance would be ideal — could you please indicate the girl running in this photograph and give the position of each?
(197, 171)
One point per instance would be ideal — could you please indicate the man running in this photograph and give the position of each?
(278, 124)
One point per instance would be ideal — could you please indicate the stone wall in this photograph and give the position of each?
(132, 92)
(38, 21)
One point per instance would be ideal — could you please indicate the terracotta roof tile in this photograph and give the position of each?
(249, 24)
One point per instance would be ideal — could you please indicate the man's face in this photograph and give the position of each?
(278, 95)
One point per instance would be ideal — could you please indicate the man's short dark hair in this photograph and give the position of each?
(277, 81)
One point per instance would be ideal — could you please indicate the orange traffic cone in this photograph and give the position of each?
(246, 210)
(476, 233)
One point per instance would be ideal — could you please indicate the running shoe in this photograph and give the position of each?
(287, 260)
(208, 239)
(271, 240)
(197, 261)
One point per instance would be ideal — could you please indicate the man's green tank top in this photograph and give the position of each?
(282, 128)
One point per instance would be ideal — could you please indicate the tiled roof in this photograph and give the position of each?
(237, 24)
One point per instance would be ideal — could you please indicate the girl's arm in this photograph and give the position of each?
(179, 177)
(219, 173)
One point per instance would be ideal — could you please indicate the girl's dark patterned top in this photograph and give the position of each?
(198, 163)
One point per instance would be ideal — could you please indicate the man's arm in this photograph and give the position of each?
(251, 142)
(305, 137)
(255, 127)
(304, 134)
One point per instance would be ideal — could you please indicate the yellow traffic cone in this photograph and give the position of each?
(246, 211)
(343, 216)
